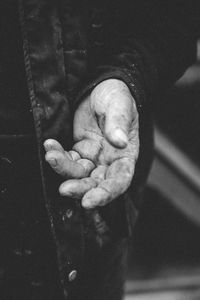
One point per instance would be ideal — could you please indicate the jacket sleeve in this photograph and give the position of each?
(147, 44)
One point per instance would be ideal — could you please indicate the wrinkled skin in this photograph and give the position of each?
(101, 164)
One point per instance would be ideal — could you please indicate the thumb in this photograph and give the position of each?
(119, 119)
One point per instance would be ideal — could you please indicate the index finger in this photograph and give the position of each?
(68, 168)
(118, 178)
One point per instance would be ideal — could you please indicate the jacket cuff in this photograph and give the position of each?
(131, 79)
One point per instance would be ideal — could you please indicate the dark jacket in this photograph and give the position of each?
(71, 46)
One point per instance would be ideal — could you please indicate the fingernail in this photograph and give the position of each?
(52, 162)
(121, 137)
(47, 146)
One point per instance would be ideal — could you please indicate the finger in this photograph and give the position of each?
(118, 179)
(65, 166)
(76, 188)
(87, 164)
(51, 144)
(89, 148)
(74, 155)
(99, 174)
(118, 120)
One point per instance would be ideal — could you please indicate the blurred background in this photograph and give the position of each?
(164, 262)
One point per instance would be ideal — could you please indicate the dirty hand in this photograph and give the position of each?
(101, 165)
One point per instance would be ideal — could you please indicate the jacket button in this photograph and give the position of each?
(67, 215)
(17, 252)
(72, 275)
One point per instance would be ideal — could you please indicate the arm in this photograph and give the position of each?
(138, 58)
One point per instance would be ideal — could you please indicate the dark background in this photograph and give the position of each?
(165, 241)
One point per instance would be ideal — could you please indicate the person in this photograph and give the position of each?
(88, 68)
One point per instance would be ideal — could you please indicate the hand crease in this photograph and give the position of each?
(105, 189)
(92, 131)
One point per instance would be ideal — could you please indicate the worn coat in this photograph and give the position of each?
(68, 51)
(69, 47)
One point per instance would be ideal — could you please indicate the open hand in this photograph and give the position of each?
(101, 164)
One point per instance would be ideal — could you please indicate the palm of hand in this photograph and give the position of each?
(113, 167)
(108, 163)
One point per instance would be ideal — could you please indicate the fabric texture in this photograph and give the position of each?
(69, 47)
(15, 114)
